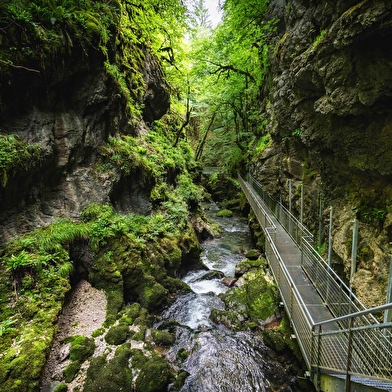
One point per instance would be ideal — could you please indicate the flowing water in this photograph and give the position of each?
(218, 359)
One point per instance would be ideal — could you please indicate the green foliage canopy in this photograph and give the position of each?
(229, 64)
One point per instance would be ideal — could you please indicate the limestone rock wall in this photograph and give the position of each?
(327, 100)
(70, 110)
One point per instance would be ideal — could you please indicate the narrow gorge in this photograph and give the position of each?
(109, 111)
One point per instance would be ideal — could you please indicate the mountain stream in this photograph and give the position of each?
(218, 360)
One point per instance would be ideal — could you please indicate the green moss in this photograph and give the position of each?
(117, 335)
(247, 265)
(155, 376)
(286, 330)
(180, 381)
(23, 346)
(138, 359)
(131, 312)
(319, 38)
(252, 254)
(61, 388)
(162, 338)
(275, 340)
(114, 375)
(81, 348)
(98, 332)
(140, 334)
(16, 155)
(182, 354)
(232, 319)
(152, 296)
(227, 213)
(261, 296)
(71, 371)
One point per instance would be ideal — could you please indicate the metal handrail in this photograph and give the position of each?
(375, 309)
(338, 351)
(304, 239)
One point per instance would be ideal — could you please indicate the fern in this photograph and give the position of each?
(19, 261)
(66, 269)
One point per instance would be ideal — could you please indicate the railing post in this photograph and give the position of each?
(330, 237)
(318, 358)
(320, 233)
(388, 313)
(354, 250)
(302, 204)
(279, 214)
(349, 355)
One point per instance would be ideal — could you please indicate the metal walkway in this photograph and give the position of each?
(344, 346)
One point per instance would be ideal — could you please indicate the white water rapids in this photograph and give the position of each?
(218, 359)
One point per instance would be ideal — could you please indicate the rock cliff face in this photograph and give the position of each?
(327, 101)
(70, 111)
(67, 116)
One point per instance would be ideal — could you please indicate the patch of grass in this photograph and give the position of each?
(16, 155)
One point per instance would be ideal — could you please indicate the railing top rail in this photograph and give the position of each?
(366, 335)
(358, 314)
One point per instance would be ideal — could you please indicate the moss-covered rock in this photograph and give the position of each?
(162, 338)
(233, 319)
(155, 376)
(152, 294)
(256, 231)
(224, 212)
(247, 265)
(36, 307)
(261, 296)
(180, 381)
(71, 371)
(252, 254)
(117, 334)
(182, 354)
(61, 388)
(114, 375)
(81, 349)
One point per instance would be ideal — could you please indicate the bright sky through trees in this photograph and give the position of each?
(213, 10)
